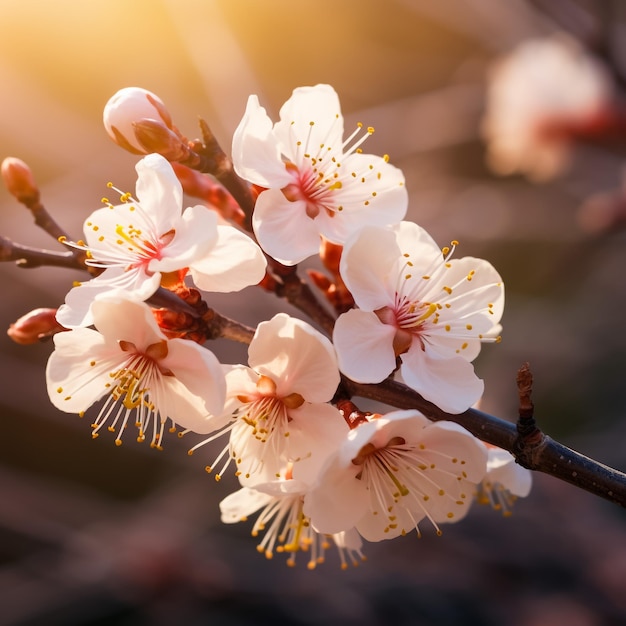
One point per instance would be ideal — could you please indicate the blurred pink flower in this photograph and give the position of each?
(538, 98)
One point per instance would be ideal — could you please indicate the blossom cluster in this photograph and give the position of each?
(415, 314)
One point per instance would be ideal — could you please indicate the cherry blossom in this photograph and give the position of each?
(539, 97)
(277, 409)
(284, 526)
(394, 471)
(138, 242)
(143, 376)
(419, 305)
(505, 481)
(316, 182)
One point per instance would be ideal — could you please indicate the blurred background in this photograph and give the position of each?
(95, 534)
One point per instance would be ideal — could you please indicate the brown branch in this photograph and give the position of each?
(532, 448)
(543, 454)
(27, 257)
(217, 163)
(298, 293)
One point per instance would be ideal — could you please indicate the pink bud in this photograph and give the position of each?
(35, 326)
(127, 106)
(19, 180)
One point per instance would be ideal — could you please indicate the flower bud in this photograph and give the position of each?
(35, 326)
(154, 136)
(127, 106)
(19, 180)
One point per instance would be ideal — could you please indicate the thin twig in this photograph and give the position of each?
(545, 455)
(27, 257)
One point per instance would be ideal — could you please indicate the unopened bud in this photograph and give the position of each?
(19, 180)
(35, 326)
(154, 136)
(127, 106)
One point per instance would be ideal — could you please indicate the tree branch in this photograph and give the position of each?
(532, 448)
(25, 256)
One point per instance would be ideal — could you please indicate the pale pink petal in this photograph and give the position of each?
(158, 190)
(339, 500)
(297, 357)
(234, 262)
(283, 229)
(377, 527)
(451, 384)
(119, 318)
(502, 469)
(317, 430)
(237, 506)
(256, 154)
(199, 371)
(414, 239)
(240, 380)
(475, 284)
(364, 346)
(78, 371)
(76, 311)
(373, 195)
(369, 264)
(187, 246)
(312, 116)
(102, 226)
(173, 399)
(283, 488)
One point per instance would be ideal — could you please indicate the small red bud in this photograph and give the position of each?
(19, 180)
(154, 136)
(35, 326)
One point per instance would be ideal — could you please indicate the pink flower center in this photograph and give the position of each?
(409, 318)
(311, 187)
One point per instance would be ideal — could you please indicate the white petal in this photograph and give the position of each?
(200, 372)
(369, 267)
(158, 190)
(502, 469)
(173, 399)
(283, 229)
(237, 506)
(364, 346)
(256, 155)
(316, 431)
(233, 263)
(136, 285)
(311, 116)
(451, 384)
(338, 501)
(366, 199)
(195, 235)
(119, 318)
(74, 384)
(296, 357)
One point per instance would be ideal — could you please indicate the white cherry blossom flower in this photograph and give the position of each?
(277, 409)
(538, 97)
(505, 481)
(317, 182)
(143, 376)
(417, 304)
(283, 525)
(394, 471)
(138, 241)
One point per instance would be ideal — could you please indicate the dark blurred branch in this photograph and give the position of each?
(25, 256)
(531, 448)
